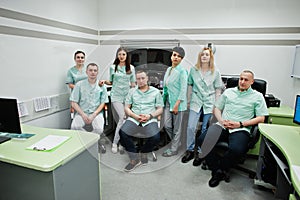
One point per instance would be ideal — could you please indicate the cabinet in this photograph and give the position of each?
(71, 171)
(282, 115)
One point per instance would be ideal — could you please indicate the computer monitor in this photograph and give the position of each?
(297, 110)
(9, 116)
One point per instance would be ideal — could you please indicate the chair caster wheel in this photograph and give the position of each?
(102, 148)
(154, 159)
(227, 179)
(204, 165)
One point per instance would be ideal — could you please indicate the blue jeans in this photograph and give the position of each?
(192, 125)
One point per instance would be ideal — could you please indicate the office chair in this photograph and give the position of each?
(260, 86)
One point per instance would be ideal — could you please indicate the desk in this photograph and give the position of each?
(69, 172)
(277, 115)
(281, 115)
(287, 140)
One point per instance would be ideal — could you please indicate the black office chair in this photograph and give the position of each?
(260, 86)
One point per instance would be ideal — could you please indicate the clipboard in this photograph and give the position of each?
(49, 143)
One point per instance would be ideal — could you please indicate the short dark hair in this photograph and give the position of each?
(92, 64)
(141, 71)
(78, 52)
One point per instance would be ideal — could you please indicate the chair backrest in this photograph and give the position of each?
(258, 85)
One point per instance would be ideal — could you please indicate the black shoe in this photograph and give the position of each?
(197, 161)
(218, 176)
(189, 155)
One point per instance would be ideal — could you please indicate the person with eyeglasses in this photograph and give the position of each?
(206, 85)
(121, 77)
(175, 100)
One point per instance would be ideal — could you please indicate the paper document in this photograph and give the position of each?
(41, 103)
(49, 143)
(22, 109)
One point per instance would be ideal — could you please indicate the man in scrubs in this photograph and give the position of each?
(88, 99)
(143, 105)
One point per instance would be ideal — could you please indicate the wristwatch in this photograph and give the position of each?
(241, 125)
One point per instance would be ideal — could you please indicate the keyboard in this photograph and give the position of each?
(4, 139)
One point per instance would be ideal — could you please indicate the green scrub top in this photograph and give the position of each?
(175, 87)
(74, 75)
(241, 106)
(121, 83)
(88, 96)
(144, 102)
(204, 87)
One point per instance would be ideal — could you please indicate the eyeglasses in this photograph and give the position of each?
(80, 57)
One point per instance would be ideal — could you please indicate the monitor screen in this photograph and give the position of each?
(9, 116)
(297, 110)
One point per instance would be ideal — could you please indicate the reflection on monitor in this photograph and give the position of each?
(297, 110)
(9, 116)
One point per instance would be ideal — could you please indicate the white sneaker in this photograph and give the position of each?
(114, 148)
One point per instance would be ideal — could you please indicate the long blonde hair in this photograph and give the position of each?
(211, 60)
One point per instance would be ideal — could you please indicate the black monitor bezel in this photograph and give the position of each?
(296, 102)
(9, 115)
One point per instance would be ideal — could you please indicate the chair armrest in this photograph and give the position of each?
(255, 134)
